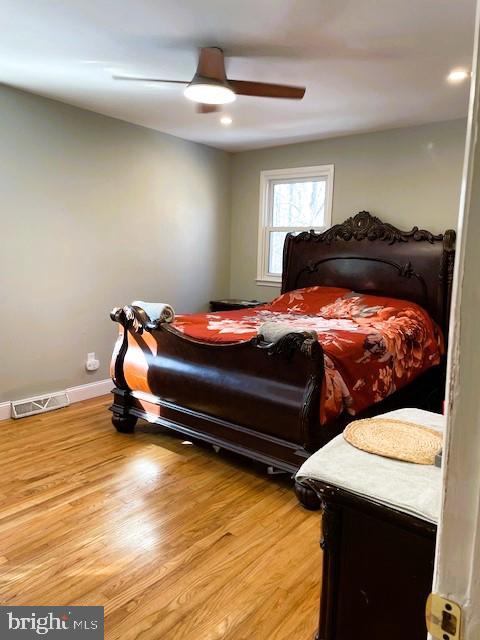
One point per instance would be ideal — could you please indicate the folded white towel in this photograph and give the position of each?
(156, 311)
(274, 331)
(412, 488)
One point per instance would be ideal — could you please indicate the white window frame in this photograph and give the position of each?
(267, 181)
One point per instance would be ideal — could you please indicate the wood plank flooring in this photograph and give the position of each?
(175, 541)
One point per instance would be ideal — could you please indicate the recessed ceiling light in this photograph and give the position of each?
(458, 75)
(226, 120)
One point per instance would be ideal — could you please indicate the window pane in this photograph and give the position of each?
(275, 255)
(299, 204)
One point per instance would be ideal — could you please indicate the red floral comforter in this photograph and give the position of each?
(372, 345)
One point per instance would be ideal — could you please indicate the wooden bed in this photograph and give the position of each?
(263, 402)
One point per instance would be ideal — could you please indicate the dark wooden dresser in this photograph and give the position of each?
(377, 569)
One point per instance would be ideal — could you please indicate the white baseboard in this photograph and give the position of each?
(90, 390)
(76, 394)
(4, 410)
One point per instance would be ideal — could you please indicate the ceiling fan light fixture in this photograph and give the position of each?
(210, 88)
(207, 91)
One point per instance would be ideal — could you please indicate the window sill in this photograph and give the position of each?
(269, 283)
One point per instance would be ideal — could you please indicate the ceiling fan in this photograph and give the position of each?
(210, 87)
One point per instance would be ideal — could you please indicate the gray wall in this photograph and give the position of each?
(405, 176)
(94, 213)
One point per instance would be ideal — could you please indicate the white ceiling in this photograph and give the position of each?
(367, 64)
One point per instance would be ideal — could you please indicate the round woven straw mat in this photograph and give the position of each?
(395, 439)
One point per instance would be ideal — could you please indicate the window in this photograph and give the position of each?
(291, 200)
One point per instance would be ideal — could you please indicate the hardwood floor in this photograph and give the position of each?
(175, 541)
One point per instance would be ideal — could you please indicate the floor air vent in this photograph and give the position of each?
(39, 404)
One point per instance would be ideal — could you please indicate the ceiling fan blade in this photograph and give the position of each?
(266, 90)
(207, 108)
(149, 79)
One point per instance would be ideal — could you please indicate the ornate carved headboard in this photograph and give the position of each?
(370, 256)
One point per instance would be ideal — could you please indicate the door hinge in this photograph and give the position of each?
(444, 618)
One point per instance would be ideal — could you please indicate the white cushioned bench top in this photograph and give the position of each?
(412, 488)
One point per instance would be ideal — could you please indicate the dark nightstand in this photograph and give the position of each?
(377, 568)
(230, 304)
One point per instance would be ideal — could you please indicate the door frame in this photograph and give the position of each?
(457, 563)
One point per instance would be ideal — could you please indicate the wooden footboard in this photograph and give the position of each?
(257, 399)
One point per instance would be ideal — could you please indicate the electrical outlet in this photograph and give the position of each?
(92, 364)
